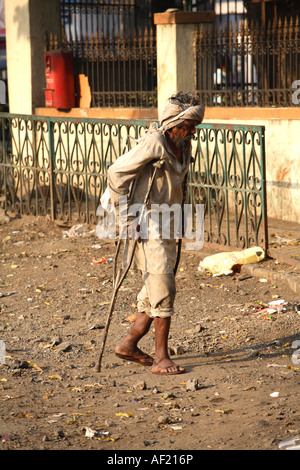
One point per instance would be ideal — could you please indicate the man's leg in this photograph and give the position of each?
(128, 349)
(162, 290)
(162, 362)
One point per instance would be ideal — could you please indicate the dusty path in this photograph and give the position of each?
(241, 389)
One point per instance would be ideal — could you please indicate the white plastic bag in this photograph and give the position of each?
(222, 263)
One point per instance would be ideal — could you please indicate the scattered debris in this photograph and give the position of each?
(90, 433)
(131, 318)
(280, 241)
(124, 415)
(163, 419)
(99, 261)
(79, 230)
(273, 307)
(97, 326)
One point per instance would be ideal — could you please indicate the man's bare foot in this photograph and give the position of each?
(167, 367)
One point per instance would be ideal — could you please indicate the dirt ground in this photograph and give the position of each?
(241, 389)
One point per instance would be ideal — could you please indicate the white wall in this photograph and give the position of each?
(282, 165)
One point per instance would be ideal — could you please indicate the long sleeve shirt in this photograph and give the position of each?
(130, 176)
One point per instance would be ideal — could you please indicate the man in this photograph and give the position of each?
(155, 257)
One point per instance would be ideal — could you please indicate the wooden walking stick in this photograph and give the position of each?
(119, 278)
(179, 244)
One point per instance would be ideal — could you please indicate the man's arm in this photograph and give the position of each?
(127, 167)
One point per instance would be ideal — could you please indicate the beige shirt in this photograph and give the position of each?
(130, 175)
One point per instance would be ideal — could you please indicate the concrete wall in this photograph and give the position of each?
(282, 131)
(27, 21)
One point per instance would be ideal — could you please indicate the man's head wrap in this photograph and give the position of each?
(177, 112)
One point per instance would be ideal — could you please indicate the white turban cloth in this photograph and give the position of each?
(176, 112)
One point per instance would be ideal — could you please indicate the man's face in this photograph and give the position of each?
(185, 132)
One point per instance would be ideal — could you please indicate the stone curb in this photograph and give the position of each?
(292, 280)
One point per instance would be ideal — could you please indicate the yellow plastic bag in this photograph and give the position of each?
(222, 263)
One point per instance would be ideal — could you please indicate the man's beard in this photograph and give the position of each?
(183, 144)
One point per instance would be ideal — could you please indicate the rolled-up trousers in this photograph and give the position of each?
(157, 295)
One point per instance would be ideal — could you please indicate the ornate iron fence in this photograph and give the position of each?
(228, 176)
(250, 65)
(58, 166)
(121, 69)
(238, 63)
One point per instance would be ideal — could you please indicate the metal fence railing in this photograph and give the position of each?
(239, 62)
(121, 69)
(228, 176)
(248, 65)
(58, 166)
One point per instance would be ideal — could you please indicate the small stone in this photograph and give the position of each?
(254, 354)
(60, 434)
(63, 347)
(111, 365)
(167, 395)
(163, 419)
(16, 373)
(196, 329)
(192, 385)
(141, 385)
(177, 350)
(20, 365)
(55, 341)
(149, 443)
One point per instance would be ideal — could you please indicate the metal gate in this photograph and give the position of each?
(58, 166)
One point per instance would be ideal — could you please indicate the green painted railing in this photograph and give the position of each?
(58, 166)
(228, 176)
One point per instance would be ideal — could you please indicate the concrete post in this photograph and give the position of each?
(27, 21)
(175, 52)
